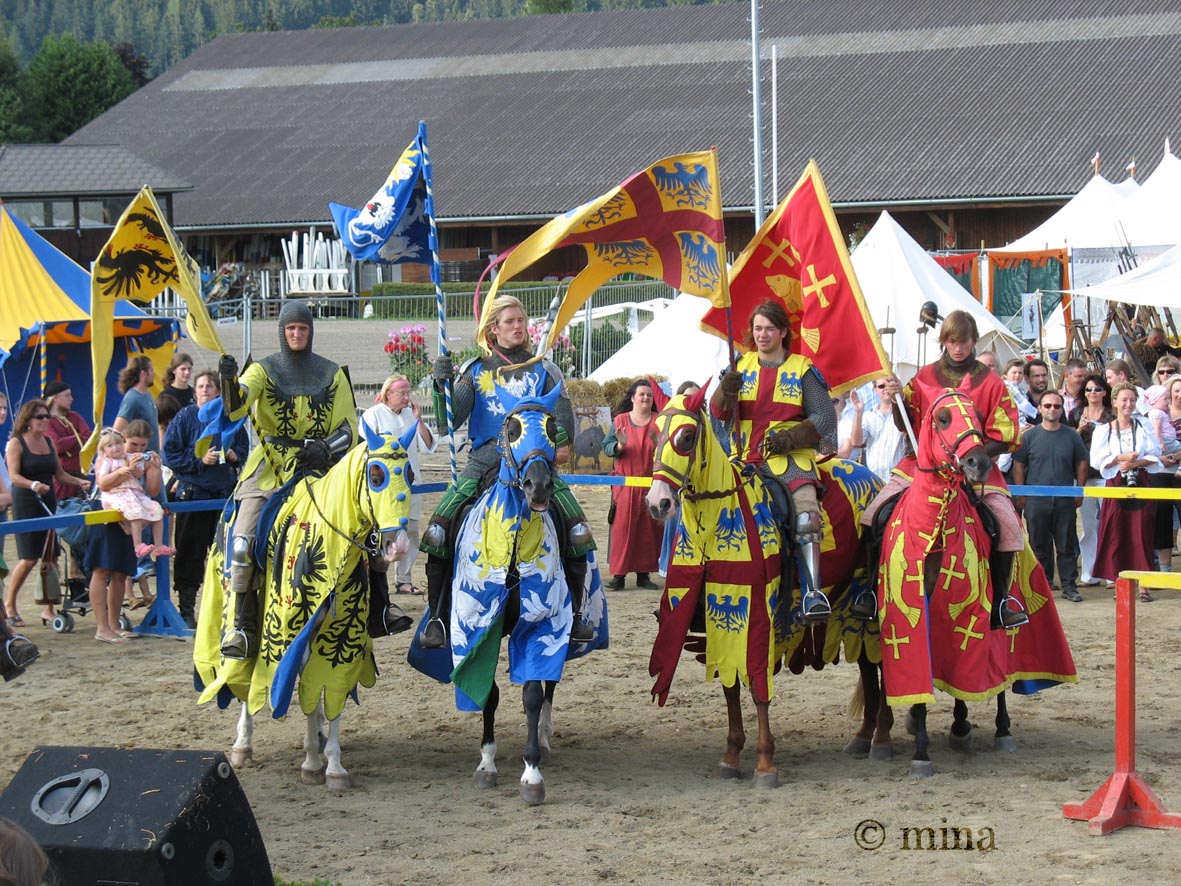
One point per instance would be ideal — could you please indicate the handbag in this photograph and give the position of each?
(49, 585)
(77, 536)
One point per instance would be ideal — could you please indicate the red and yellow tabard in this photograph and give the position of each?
(771, 399)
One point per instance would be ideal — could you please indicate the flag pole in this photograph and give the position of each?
(440, 301)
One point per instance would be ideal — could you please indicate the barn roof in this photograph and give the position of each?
(902, 102)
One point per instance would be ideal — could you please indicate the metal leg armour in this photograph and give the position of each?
(580, 631)
(809, 532)
(241, 641)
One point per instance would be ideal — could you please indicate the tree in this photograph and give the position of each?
(71, 83)
(137, 65)
(14, 126)
(548, 7)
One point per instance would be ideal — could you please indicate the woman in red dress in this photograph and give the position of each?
(635, 536)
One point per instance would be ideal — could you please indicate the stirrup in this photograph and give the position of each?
(1009, 614)
(17, 653)
(395, 620)
(236, 645)
(815, 607)
(434, 636)
(581, 630)
(864, 605)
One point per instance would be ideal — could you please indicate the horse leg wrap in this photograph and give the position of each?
(1006, 611)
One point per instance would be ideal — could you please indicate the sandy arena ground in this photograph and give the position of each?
(631, 796)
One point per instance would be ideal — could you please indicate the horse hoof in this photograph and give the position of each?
(338, 782)
(727, 772)
(311, 776)
(483, 781)
(765, 781)
(239, 757)
(881, 752)
(960, 742)
(1005, 743)
(858, 747)
(921, 768)
(533, 794)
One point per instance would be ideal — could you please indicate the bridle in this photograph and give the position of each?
(369, 531)
(950, 464)
(515, 463)
(684, 485)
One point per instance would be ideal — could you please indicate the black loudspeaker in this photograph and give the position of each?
(142, 817)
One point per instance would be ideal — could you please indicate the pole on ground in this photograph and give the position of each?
(1125, 798)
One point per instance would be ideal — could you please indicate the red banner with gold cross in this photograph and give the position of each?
(799, 257)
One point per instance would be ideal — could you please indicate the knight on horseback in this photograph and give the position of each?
(474, 399)
(779, 407)
(303, 410)
(957, 368)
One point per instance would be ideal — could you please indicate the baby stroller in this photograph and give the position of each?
(76, 593)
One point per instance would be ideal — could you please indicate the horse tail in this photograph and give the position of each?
(856, 709)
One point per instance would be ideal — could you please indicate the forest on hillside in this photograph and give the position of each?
(165, 31)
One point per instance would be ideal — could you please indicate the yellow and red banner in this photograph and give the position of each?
(141, 259)
(663, 222)
(799, 257)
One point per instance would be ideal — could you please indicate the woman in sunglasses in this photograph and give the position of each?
(1094, 409)
(33, 466)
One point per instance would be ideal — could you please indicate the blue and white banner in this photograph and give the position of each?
(393, 226)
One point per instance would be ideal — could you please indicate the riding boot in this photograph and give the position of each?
(1007, 611)
(814, 604)
(385, 617)
(241, 641)
(437, 573)
(864, 605)
(581, 630)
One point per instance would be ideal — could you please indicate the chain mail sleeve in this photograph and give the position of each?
(822, 414)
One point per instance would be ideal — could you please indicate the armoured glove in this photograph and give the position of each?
(227, 367)
(802, 436)
(727, 390)
(315, 456)
(444, 370)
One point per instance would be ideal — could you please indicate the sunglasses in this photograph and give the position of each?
(1094, 390)
(1051, 406)
(41, 415)
(1163, 371)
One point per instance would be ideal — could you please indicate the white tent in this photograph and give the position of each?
(1150, 216)
(1091, 219)
(1156, 282)
(897, 276)
(672, 345)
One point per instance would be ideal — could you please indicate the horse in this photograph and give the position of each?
(509, 582)
(315, 599)
(724, 581)
(936, 598)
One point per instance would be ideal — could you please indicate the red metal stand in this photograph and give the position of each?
(1125, 798)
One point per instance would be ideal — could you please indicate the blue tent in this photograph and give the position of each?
(45, 323)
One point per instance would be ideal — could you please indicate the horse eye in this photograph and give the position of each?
(684, 439)
(943, 418)
(513, 430)
(378, 476)
(551, 428)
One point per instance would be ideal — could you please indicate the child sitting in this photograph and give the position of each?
(118, 480)
(1157, 400)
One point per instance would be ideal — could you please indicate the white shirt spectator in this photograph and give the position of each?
(884, 443)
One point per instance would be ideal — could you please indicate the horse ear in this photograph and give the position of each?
(659, 397)
(373, 439)
(550, 400)
(696, 400)
(408, 438)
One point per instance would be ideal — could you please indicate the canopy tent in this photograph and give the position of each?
(897, 276)
(672, 345)
(1155, 283)
(45, 325)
